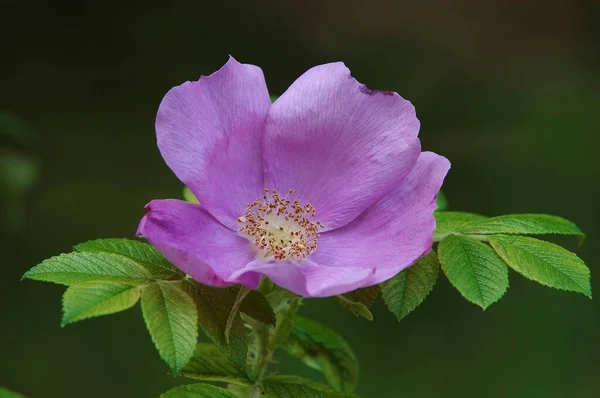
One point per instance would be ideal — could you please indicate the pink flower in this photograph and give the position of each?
(324, 191)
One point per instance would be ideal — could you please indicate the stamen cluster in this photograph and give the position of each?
(279, 228)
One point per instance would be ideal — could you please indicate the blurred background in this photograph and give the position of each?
(508, 91)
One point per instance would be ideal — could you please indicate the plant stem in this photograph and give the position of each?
(267, 343)
(265, 354)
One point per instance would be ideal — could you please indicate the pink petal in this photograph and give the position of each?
(393, 233)
(189, 237)
(340, 145)
(306, 278)
(209, 133)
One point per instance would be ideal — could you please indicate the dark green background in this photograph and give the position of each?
(508, 92)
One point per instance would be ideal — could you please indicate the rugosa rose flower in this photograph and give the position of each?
(324, 191)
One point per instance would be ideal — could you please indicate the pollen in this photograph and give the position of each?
(279, 228)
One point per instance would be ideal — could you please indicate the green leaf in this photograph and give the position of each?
(256, 306)
(451, 221)
(198, 391)
(209, 363)
(441, 201)
(294, 387)
(93, 299)
(74, 268)
(324, 350)
(358, 309)
(274, 98)
(407, 290)
(214, 306)
(359, 301)
(366, 296)
(143, 253)
(189, 196)
(234, 311)
(285, 305)
(544, 262)
(6, 393)
(474, 269)
(171, 318)
(523, 224)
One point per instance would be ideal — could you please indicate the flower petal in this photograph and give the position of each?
(195, 242)
(209, 133)
(307, 278)
(340, 145)
(393, 233)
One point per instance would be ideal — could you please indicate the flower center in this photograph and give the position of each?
(280, 229)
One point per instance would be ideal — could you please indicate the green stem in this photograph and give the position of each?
(267, 345)
(265, 354)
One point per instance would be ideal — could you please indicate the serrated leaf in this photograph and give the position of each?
(407, 290)
(198, 391)
(356, 308)
(171, 317)
(523, 224)
(80, 267)
(141, 252)
(360, 301)
(294, 387)
(93, 299)
(441, 201)
(324, 350)
(474, 269)
(189, 196)
(543, 262)
(214, 305)
(209, 363)
(447, 222)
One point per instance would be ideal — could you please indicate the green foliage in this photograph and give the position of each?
(360, 301)
(324, 350)
(541, 261)
(474, 269)
(246, 326)
(6, 393)
(80, 267)
(451, 221)
(198, 391)
(171, 318)
(234, 311)
(358, 309)
(214, 306)
(544, 262)
(209, 363)
(407, 290)
(252, 304)
(93, 299)
(294, 387)
(140, 252)
(285, 304)
(257, 307)
(189, 196)
(523, 224)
